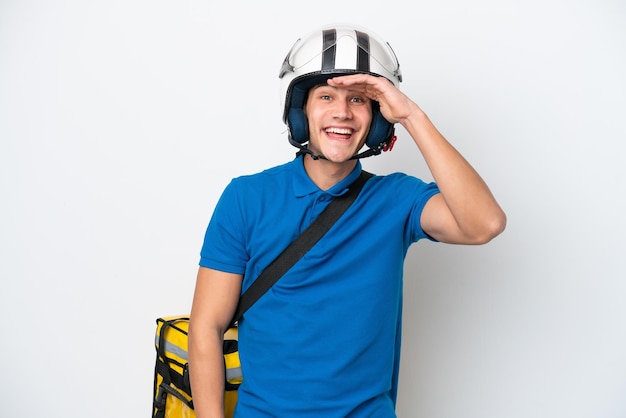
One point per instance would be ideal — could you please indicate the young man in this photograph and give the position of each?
(324, 341)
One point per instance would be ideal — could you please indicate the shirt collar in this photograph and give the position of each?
(303, 185)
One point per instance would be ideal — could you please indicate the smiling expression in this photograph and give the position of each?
(339, 120)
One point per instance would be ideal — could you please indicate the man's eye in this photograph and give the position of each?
(325, 97)
(358, 100)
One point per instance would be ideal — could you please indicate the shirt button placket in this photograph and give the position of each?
(319, 204)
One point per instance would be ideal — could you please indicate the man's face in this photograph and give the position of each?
(339, 121)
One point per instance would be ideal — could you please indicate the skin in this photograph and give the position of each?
(339, 115)
(339, 121)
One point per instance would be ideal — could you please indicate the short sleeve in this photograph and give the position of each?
(224, 247)
(423, 193)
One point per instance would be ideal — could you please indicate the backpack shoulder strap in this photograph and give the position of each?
(300, 246)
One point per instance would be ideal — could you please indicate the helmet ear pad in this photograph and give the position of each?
(380, 129)
(296, 98)
(298, 125)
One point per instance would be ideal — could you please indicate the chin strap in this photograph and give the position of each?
(384, 146)
(304, 150)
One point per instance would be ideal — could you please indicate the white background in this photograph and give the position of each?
(122, 121)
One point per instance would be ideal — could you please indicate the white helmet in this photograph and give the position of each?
(326, 53)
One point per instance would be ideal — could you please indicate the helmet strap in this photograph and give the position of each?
(368, 153)
(304, 149)
(387, 145)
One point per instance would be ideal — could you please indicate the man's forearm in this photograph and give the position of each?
(466, 195)
(206, 368)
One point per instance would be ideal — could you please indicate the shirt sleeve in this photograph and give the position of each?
(423, 192)
(224, 247)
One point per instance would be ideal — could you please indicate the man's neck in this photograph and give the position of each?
(325, 174)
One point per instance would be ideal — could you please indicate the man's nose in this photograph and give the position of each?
(341, 110)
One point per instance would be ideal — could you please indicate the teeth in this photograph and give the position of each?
(339, 131)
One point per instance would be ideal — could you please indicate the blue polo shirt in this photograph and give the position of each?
(324, 341)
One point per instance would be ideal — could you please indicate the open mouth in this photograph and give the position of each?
(341, 133)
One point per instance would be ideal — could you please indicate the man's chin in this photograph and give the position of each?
(340, 156)
(336, 154)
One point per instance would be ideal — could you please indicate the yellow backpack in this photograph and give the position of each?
(172, 392)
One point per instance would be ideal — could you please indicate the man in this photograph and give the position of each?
(324, 341)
